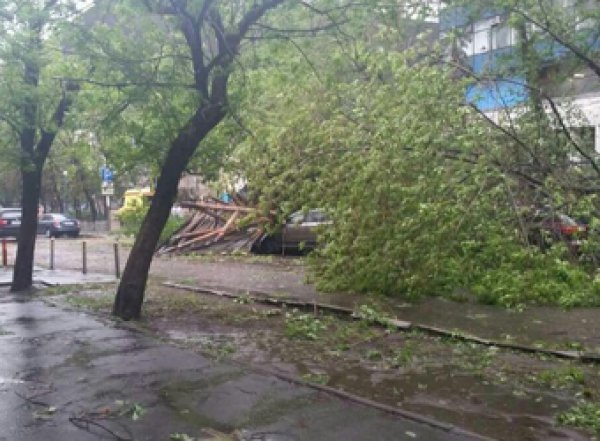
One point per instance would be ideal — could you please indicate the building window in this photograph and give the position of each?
(502, 36)
(467, 44)
(488, 35)
(481, 41)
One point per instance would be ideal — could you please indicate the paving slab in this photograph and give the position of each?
(67, 375)
(48, 277)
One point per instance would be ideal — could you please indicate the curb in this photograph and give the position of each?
(265, 298)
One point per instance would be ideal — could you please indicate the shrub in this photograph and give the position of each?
(131, 221)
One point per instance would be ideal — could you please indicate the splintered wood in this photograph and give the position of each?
(217, 227)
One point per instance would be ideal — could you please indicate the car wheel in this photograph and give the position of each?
(74, 235)
(269, 245)
(47, 233)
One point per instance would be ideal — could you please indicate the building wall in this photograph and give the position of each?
(589, 105)
(490, 43)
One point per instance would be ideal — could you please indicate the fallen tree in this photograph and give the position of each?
(218, 227)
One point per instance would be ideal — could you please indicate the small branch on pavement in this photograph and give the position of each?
(85, 423)
(32, 400)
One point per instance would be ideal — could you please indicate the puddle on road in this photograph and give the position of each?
(10, 381)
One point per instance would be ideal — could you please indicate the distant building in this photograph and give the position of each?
(489, 47)
(192, 188)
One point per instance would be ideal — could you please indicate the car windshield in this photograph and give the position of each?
(296, 218)
(59, 217)
(315, 216)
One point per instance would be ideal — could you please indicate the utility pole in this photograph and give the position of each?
(107, 211)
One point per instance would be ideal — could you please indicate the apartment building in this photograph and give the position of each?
(487, 44)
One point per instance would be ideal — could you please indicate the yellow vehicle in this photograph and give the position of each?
(135, 198)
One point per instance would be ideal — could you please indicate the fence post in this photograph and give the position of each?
(51, 253)
(117, 266)
(4, 253)
(84, 256)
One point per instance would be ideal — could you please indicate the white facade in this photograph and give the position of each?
(580, 111)
(589, 105)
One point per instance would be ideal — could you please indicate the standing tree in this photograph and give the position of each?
(212, 37)
(35, 103)
(213, 34)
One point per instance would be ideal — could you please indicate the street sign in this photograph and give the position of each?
(108, 188)
(106, 174)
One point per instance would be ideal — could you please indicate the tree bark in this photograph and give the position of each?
(32, 163)
(23, 271)
(31, 181)
(130, 293)
(92, 203)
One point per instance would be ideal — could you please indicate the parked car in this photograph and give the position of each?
(546, 228)
(10, 222)
(298, 234)
(55, 225)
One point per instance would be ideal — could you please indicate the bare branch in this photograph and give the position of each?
(229, 47)
(546, 97)
(249, 19)
(124, 84)
(191, 32)
(43, 146)
(567, 133)
(204, 11)
(311, 31)
(593, 65)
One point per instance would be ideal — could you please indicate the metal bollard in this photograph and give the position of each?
(117, 266)
(52, 253)
(84, 256)
(4, 253)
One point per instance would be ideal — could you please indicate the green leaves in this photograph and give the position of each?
(412, 181)
(585, 415)
(303, 326)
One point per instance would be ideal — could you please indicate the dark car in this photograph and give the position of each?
(10, 222)
(298, 234)
(56, 225)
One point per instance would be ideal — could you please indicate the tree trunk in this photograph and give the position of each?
(130, 293)
(92, 203)
(77, 207)
(23, 271)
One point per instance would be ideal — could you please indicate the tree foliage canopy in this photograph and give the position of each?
(426, 195)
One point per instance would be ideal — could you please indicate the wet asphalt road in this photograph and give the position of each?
(66, 375)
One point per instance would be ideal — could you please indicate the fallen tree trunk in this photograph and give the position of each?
(218, 227)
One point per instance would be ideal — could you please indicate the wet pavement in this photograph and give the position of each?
(42, 276)
(497, 393)
(550, 327)
(66, 375)
(543, 326)
(503, 394)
